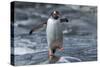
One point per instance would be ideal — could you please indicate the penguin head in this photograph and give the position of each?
(55, 14)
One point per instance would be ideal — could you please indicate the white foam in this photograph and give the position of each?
(25, 50)
(63, 60)
(21, 51)
(24, 22)
(66, 59)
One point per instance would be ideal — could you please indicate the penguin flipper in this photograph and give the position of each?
(37, 27)
(64, 20)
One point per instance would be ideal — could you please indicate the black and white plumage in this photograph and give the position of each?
(53, 31)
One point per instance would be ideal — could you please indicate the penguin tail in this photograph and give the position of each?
(53, 51)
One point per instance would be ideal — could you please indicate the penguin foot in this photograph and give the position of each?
(50, 54)
(61, 49)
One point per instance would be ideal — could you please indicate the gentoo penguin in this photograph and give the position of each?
(53, 31)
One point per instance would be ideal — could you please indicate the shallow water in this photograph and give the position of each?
(80, 43)
(30, 51)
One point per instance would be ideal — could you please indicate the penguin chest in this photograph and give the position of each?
(54, 32)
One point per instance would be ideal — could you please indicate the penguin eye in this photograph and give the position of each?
(56, 13)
